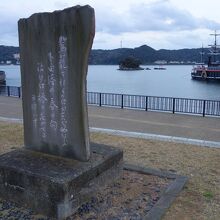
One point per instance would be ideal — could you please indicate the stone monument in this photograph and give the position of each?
(58, 169)
(54, 53)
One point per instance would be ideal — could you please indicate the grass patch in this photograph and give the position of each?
(208, 195)
(200, 164)
(11, 136)
(200, 199)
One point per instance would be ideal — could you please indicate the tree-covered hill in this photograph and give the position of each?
(145, 54)
(6, 53)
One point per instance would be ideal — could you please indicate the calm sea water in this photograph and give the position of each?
(175, 81)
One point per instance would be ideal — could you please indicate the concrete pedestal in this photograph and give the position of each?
(56, 186)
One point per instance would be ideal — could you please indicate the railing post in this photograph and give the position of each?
(146, 103)
(203, 112)
(122, 101)
(100, 99)
(19, 92)
(8, 89)
(174, 105)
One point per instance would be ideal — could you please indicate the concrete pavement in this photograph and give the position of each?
(177, 125)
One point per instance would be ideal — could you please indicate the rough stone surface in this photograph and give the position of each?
(54, 50)
(56, 186)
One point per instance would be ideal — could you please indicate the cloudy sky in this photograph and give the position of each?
(169, 24)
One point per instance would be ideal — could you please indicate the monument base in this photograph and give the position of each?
(56, 186)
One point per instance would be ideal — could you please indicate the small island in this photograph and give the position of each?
(130, 63)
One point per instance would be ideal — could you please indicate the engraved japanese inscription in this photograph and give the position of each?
(54, 55)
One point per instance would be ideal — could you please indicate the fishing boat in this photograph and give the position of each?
(159, 68)
(2, 77)
(211, 70)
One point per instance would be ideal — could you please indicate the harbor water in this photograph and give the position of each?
(175, 81)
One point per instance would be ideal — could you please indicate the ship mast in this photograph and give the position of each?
(214, 48)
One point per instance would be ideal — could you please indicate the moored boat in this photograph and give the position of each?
(2, 77)
(211, 71)
(159, 68)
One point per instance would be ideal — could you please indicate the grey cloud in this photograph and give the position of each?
(59, 4)
(209, 24)
(111, 22)
(8, 27)
(157, 16)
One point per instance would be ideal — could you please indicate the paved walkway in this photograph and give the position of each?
(177, 125)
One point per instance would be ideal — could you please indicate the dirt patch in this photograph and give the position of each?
(200, 199)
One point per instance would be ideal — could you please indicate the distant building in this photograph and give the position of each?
(16, 56)
(160, 62)
(174, 62)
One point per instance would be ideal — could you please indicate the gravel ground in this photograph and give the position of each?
(9, 211)
(130, 197)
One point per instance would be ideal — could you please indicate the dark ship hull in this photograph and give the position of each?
(206, 73)
(212, 70)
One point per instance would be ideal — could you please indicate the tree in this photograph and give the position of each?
(130, 63)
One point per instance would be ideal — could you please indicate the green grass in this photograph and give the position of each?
(208, 195)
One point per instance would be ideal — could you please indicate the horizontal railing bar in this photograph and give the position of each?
(153, 103)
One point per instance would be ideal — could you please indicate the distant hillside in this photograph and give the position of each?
(6, 53)
(145, 54)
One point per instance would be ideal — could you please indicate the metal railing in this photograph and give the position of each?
(147, 103)
(154, 103)
(10, 91)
